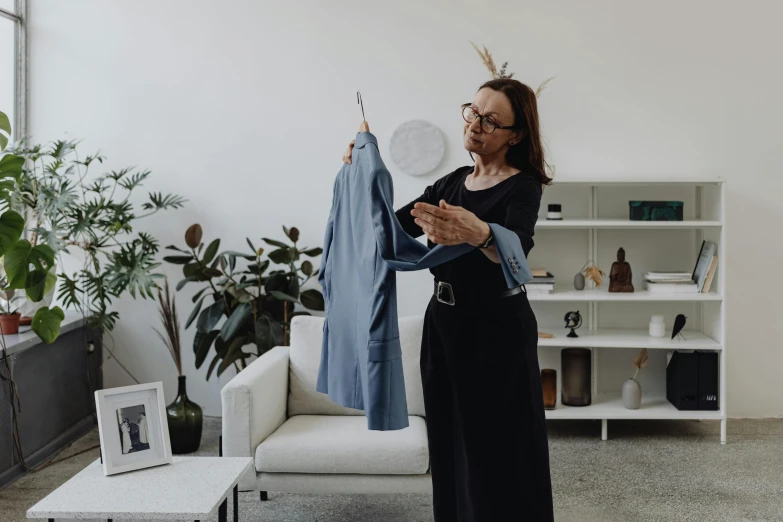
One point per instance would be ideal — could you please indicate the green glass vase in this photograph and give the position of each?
(185, 419)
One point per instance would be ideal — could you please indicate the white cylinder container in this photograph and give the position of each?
(657, 326)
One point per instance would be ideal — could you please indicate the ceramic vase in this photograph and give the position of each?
(549, 387)
(632, 394)
(576, 375)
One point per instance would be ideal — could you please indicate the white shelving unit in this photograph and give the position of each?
(615, 325)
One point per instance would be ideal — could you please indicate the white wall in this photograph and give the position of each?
(246, 107)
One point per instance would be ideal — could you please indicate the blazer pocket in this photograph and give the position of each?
(385, 350)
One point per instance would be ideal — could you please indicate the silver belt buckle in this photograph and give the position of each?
(441, 284)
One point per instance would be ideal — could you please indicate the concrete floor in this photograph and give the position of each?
(649, 471)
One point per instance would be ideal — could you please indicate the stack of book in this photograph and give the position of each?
(706, 264)
(670, 282)
(699, 280)
(543, 282)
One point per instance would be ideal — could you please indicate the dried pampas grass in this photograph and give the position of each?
(489, 63)
(640, 361)
(593, 273)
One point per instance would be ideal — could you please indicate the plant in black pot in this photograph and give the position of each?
(258, 305)
(185, 417)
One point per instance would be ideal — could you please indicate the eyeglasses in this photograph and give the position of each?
(487, 125)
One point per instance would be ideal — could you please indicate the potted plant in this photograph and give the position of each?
(258, 305)
(632, 390)
(185, 417)
(9, 316)
(65, 208)
(25, 267)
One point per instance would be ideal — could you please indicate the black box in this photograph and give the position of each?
(692, 380)
(655, 210)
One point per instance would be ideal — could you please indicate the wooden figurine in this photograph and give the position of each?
(620, 277)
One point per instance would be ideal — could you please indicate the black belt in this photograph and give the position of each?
(445, 293)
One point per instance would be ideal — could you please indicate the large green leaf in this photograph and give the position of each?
(312, 299)
(11, 166)
(178, 260)
(37, 283)
(281, 255)
(312, 252)
(283, 296)
(18, 261)
(236, 320)
(268, 334)
(201, 345)
(11, 228)
(210, 316)
(276, 243)
(194, 313)
(46, 323)
(5, 126)
(233, 354)
(211, 250)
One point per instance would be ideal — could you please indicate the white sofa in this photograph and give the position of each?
(303, 442)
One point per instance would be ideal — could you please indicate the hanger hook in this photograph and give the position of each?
(359, 101)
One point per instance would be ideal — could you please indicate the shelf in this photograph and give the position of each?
(625, 338)
(596, 294)
(625, 223)
(610, 406)
(619, 181)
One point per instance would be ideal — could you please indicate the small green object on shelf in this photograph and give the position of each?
(655, 210)
(185, 419)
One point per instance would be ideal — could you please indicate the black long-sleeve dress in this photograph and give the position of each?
(486, 427)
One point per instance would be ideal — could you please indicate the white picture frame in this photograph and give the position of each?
(124, 448)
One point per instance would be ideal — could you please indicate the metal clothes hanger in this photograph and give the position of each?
(364, 127)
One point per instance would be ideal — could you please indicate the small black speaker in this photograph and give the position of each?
(692, 380)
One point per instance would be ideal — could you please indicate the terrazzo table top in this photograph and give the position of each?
(190, 488)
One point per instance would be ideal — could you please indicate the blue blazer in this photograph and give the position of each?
(364, 244)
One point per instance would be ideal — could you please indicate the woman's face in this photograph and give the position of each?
(495, 104)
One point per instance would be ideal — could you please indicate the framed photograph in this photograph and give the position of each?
(133, 427)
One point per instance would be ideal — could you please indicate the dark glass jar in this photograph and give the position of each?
(185, 419)
(576, 379)
(549, 386)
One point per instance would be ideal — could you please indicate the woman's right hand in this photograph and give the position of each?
(348, 152)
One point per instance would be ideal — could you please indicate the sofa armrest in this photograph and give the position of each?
(255, 403)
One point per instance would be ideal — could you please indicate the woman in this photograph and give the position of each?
(126, 441)
(486, 428)
(143, 428)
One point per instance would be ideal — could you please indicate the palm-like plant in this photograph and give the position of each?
(65, 211)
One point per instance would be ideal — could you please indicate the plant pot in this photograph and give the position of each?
(185, 419)
(632, 394)
(10, 323)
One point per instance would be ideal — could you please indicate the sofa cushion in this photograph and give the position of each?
(305, 358)
(343, 444)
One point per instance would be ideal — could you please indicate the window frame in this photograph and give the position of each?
(20, 19)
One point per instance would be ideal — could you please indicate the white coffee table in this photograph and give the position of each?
(190, 488)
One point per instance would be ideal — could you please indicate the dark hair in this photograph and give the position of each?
(528, 154)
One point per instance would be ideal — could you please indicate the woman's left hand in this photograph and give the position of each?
(450, 224)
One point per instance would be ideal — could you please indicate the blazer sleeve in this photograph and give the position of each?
(514, 238)
(328, 234)
(396, 247)
(431, 195)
